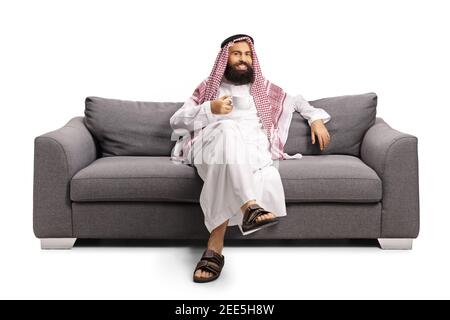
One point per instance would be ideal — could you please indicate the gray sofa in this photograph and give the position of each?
(108, 175)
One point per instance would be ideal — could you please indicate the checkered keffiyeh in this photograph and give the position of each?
(267, 96)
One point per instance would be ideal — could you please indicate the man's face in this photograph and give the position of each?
(239, 67)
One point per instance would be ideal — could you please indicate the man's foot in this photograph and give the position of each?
(215, 245)
(256, 218)
(203, 274)
(265, 216)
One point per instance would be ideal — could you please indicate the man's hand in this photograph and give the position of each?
(319, 129)
(223, 105)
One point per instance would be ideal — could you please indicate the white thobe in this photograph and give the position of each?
(232, 156)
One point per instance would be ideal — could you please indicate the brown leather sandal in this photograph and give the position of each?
(210, 261)
(249, 223)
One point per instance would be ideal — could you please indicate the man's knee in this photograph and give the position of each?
(228, 128)
(226, 144)
(227, 124)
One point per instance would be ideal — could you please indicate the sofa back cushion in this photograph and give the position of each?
(351, 117)
(130, 128)
(135, 128)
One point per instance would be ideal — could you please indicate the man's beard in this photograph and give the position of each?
(239, 76)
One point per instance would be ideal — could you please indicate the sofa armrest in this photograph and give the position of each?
(393, 155)
(58, 155)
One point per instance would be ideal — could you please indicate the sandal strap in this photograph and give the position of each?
(211, 261)
(211, 255)
(252, 212)
(208, 266)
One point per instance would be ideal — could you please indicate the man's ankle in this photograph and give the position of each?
(215, 248)
(215, 245)
(247, 204)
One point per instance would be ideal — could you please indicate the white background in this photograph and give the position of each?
(55, 53)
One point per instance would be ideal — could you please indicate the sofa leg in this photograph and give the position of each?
(57, 243)
(395, 243)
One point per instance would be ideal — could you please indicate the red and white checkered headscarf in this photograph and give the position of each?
(267, 96)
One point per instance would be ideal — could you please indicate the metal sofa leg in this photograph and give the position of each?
(57, 243)
(395, 243)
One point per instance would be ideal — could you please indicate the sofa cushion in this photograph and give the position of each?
(135, 128)
(130, 128)
(351, 117)
(330, 178)
(124, 178)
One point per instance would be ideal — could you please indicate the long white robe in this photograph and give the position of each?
(232, 156)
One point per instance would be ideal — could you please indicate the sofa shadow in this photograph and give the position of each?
(201, 243)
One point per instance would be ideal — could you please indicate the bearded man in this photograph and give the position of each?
(235, 146)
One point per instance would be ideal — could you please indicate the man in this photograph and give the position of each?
(234, 149)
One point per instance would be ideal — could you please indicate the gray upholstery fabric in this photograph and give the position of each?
(58, 155)
(351, 117)
(129, 178)
(394, 156)
(135, 128)
(334, 196)
(331, 178)
(169, 220)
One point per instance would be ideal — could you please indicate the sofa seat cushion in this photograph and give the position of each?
(329, 178)
(326, 178)
(134, 178)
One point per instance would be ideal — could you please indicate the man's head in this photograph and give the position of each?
(239, 68)
(267, 104)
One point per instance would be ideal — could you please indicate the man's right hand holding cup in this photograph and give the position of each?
(223, 105)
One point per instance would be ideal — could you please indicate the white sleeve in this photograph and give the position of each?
(191, 116)
(307, 111)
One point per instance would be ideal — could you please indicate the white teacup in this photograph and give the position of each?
(241, 102)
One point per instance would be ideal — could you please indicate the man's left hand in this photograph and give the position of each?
(318, 128)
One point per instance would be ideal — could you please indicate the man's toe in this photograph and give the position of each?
(203, 274)
(269, 215)
(265, 216)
